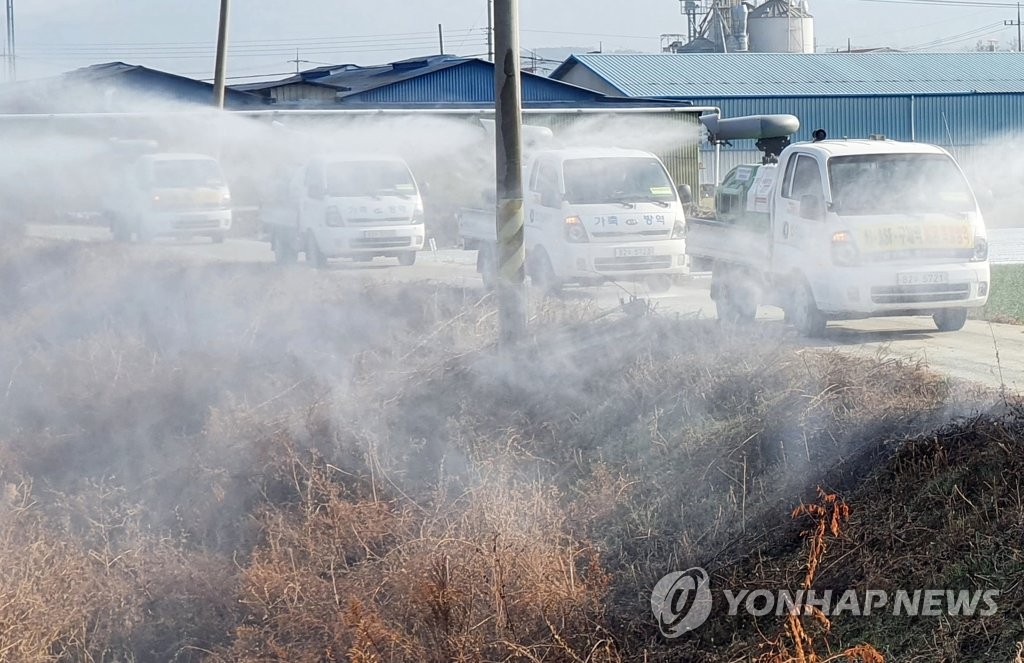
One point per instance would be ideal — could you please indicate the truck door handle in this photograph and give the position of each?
(785, 230)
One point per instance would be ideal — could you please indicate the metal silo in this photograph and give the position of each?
(781, 26)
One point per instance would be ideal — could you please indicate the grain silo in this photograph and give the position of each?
(781, 26)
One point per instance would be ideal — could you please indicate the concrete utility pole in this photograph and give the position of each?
(1018, 24)
(508, 122)
(10, 52)
(490, 30)
(222, 59)
(440, 40)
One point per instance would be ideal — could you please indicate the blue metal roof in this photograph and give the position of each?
(696, 75)
(439, 79)
(469, 82)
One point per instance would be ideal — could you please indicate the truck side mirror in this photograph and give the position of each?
(685, 194)
(317, 191)
(812, 207)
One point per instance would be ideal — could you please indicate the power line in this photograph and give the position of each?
(976, 32)
(247, 46)
(292, 41)
(946, 3)
(65, 57)
(191, 55)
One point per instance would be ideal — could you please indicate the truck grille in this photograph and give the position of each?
(640, 233)
(632, 263)
(921, 294)
(385, 221)
(381, 242)
(197, 224)
(930, 255)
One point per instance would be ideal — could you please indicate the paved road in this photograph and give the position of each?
(982, 352)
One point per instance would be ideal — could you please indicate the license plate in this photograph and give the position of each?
(923, 278)
(634, 252)
(375, 234)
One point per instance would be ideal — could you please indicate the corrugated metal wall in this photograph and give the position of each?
(960, 123)
(301, 92)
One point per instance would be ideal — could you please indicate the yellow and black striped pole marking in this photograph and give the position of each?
(512, 253)
(511, 271)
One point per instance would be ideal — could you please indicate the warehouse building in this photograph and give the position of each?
(962, 101)
(453, 84)
(114, 87)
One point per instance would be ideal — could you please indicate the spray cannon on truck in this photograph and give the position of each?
(840, 229)
(592, 214)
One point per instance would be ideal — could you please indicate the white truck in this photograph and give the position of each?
(841, 229)
(168, 194)
(591, 215)
(347, 206)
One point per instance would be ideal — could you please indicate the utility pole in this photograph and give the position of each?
(490, 30)
(222, 60)
(10, 51)
(440, 40)
(508, 123)
(1018, 24)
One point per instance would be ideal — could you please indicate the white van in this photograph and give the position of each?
(165, 194)
(349, 207)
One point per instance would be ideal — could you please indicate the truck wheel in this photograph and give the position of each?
(314, 256)
(407, 259)
(218, 238)
(542, 273)
(487, 266)
(735, 298)
(143, 235)
(803, 312)
(659, 283)
(120, 230)
(284, 252)
(950, 319)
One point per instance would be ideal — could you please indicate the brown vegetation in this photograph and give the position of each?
(244, 463)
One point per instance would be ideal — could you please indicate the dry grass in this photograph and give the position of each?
(242, 463)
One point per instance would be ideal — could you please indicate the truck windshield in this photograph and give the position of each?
(187, 173)
(617, 180)
(898, 184)
(369, 178)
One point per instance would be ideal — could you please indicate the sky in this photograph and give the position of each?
(180, 35)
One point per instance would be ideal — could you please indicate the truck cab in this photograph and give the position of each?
(593, 215)
(846, 229)
(169, 194)
(351, 206)
(880, 227)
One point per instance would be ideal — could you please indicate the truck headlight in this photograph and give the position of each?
(844, 251)
(418, 217)
(980, 249)
(332, 218)
(679, 230)
(574, 230)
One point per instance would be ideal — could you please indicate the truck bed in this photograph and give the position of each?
(714, 240)
(477, 225)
